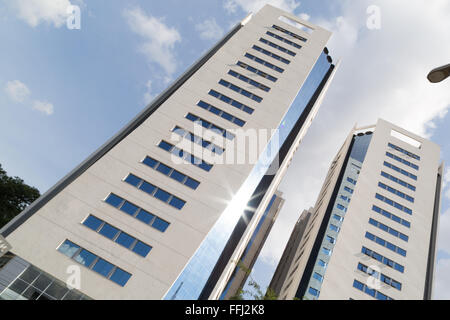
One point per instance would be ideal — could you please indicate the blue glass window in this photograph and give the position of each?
(129, 208)
(264, 63)
(144, 216)
(68, 248)
(313, 291)
(232, 102)
(133, 180)
(93, 223)
(125, 240)
(283, 40)
(326, 251)
(142, 249)
(160, 224)
(85, 258)
(318, 276)
(162, 195)
(150, 162)
(404, 172)
(177, 203)
(191, 183)
(178, 176)
(103, 267)
(273, 45)
(120, 277)
(163, 169)
(114, 200)
(258, 72)
(409, 154)
(296, 36)
(166, 146)
(322, 263)
(270, 54)
(109, 231)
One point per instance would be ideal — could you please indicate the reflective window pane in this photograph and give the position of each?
(162, 195)
(114, 200)
(129, 208)
(150, 162)
(125, 240)
(160, 224)
(142, 249)
(68, 248)
(85, 258)
(109, 231)
(177, 203)
(120, 277)
(133, 180)
(147, 187)
(145, 216)
(93, 223)
(103, 267)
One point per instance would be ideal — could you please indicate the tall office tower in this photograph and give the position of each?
(167, 206)
(372, 232)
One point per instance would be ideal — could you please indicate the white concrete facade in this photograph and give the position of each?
(418, 262)
(37, 239)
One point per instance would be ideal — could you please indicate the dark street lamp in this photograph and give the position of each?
(439, 74)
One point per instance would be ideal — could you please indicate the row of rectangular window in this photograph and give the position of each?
(341, 207)
(399, 181)
(185, 155)
(210, 126)
(409, 154)
(330, 239)
(406, 162)
(387, 280)
(270, 54)
(137, 212)
(264, 63)
(241, 91)
(404, 172)
(386, 244)
(371, 292)
(318, 277)
(248, 80)
(155, 191)
(256, 71)
(274, 45)
(391, 216)
(345, 198)
(198, 140)
(221, 113)
(393, 204)
(338, 217)
(289, 33)
(94, 262)
(334, 228)
(352, 181)
(396, 192)
(383, 260)
(349, 190)
(389, 230)
(171, 173)
(232, 102)
(117, 235)
(273, 35)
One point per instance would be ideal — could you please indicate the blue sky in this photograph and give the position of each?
(64, 92)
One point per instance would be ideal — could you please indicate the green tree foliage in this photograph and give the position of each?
(15, 196)
(255, 292)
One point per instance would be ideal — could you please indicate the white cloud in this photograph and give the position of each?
(255, 5)
(209, 29)
(382, 75)
(440, 290)
(17, 90)
(35, 12)
(148, 95)
(44, 107)
(304, 16)
(159, 39)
